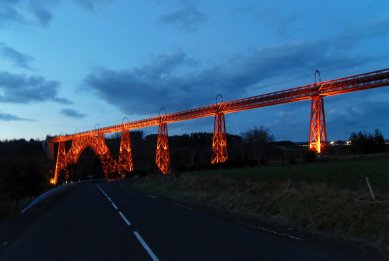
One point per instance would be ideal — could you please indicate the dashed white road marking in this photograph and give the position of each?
(98, 186)
(124, 218)
(137, 235)
(146, 247)
(152, 196)
(114, 206)
(270, 231)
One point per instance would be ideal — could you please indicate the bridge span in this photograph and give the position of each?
(317, 134)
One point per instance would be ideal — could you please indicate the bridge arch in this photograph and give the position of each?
(97, 144)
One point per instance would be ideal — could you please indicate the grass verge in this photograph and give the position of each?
(326, 198)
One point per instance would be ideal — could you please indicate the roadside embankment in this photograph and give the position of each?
(329, 199)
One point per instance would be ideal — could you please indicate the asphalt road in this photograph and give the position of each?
(107, 221)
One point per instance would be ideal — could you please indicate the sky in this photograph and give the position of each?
(74, 65)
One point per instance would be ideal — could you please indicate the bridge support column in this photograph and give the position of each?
(219, 140)
(125, 162)
(61, 162)
(317, 130)
(162, 158)
(108, 163)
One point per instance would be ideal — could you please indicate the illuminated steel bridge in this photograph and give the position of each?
(317, 134)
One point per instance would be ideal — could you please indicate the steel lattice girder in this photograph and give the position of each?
(162, 158)
(125, 162)
(97, 143)
(61, 162)
(326, 88)
(219, 139)
(317, 129)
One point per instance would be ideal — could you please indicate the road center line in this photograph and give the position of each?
(98, 186)
(102, 191)
(145, 246)
(137, 235)
(114, 206)
(124, 218)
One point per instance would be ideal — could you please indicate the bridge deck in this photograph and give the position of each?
(354, 83)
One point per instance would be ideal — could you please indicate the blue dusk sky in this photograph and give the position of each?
(74, 65)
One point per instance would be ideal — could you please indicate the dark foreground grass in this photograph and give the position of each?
(326, 198)
(12, 207)
(343, 174)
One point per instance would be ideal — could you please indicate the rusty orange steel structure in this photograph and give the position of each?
(317, 128)
(219, 139)
(317, 136)
(97, 143)
(162, 157)
(125, 163)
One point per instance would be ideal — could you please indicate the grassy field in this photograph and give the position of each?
(326, 198)
(343, 174)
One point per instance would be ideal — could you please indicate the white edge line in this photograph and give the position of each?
(110, 200)
(124, 218)
(145, 246)
(279, 234)
(40, 198)
(270, 231)
(152, 196)
(183, 206)
(296, 238)
(114, 206)
(246, 224)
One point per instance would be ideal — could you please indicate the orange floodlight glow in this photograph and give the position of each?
(317, 134)
(219, 140)
(317, 129)
(162, 157)
(125, 163)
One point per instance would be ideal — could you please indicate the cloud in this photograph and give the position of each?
(361, 111)
(72, 113)
(187, 16)
(352, 34)
(172, 81)
(62, 101)
(177, 82)
(20, 88)
(38, 11)
(19, 59)
(92, 5)
(282, 22)
(11, 117)
(378, 27)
